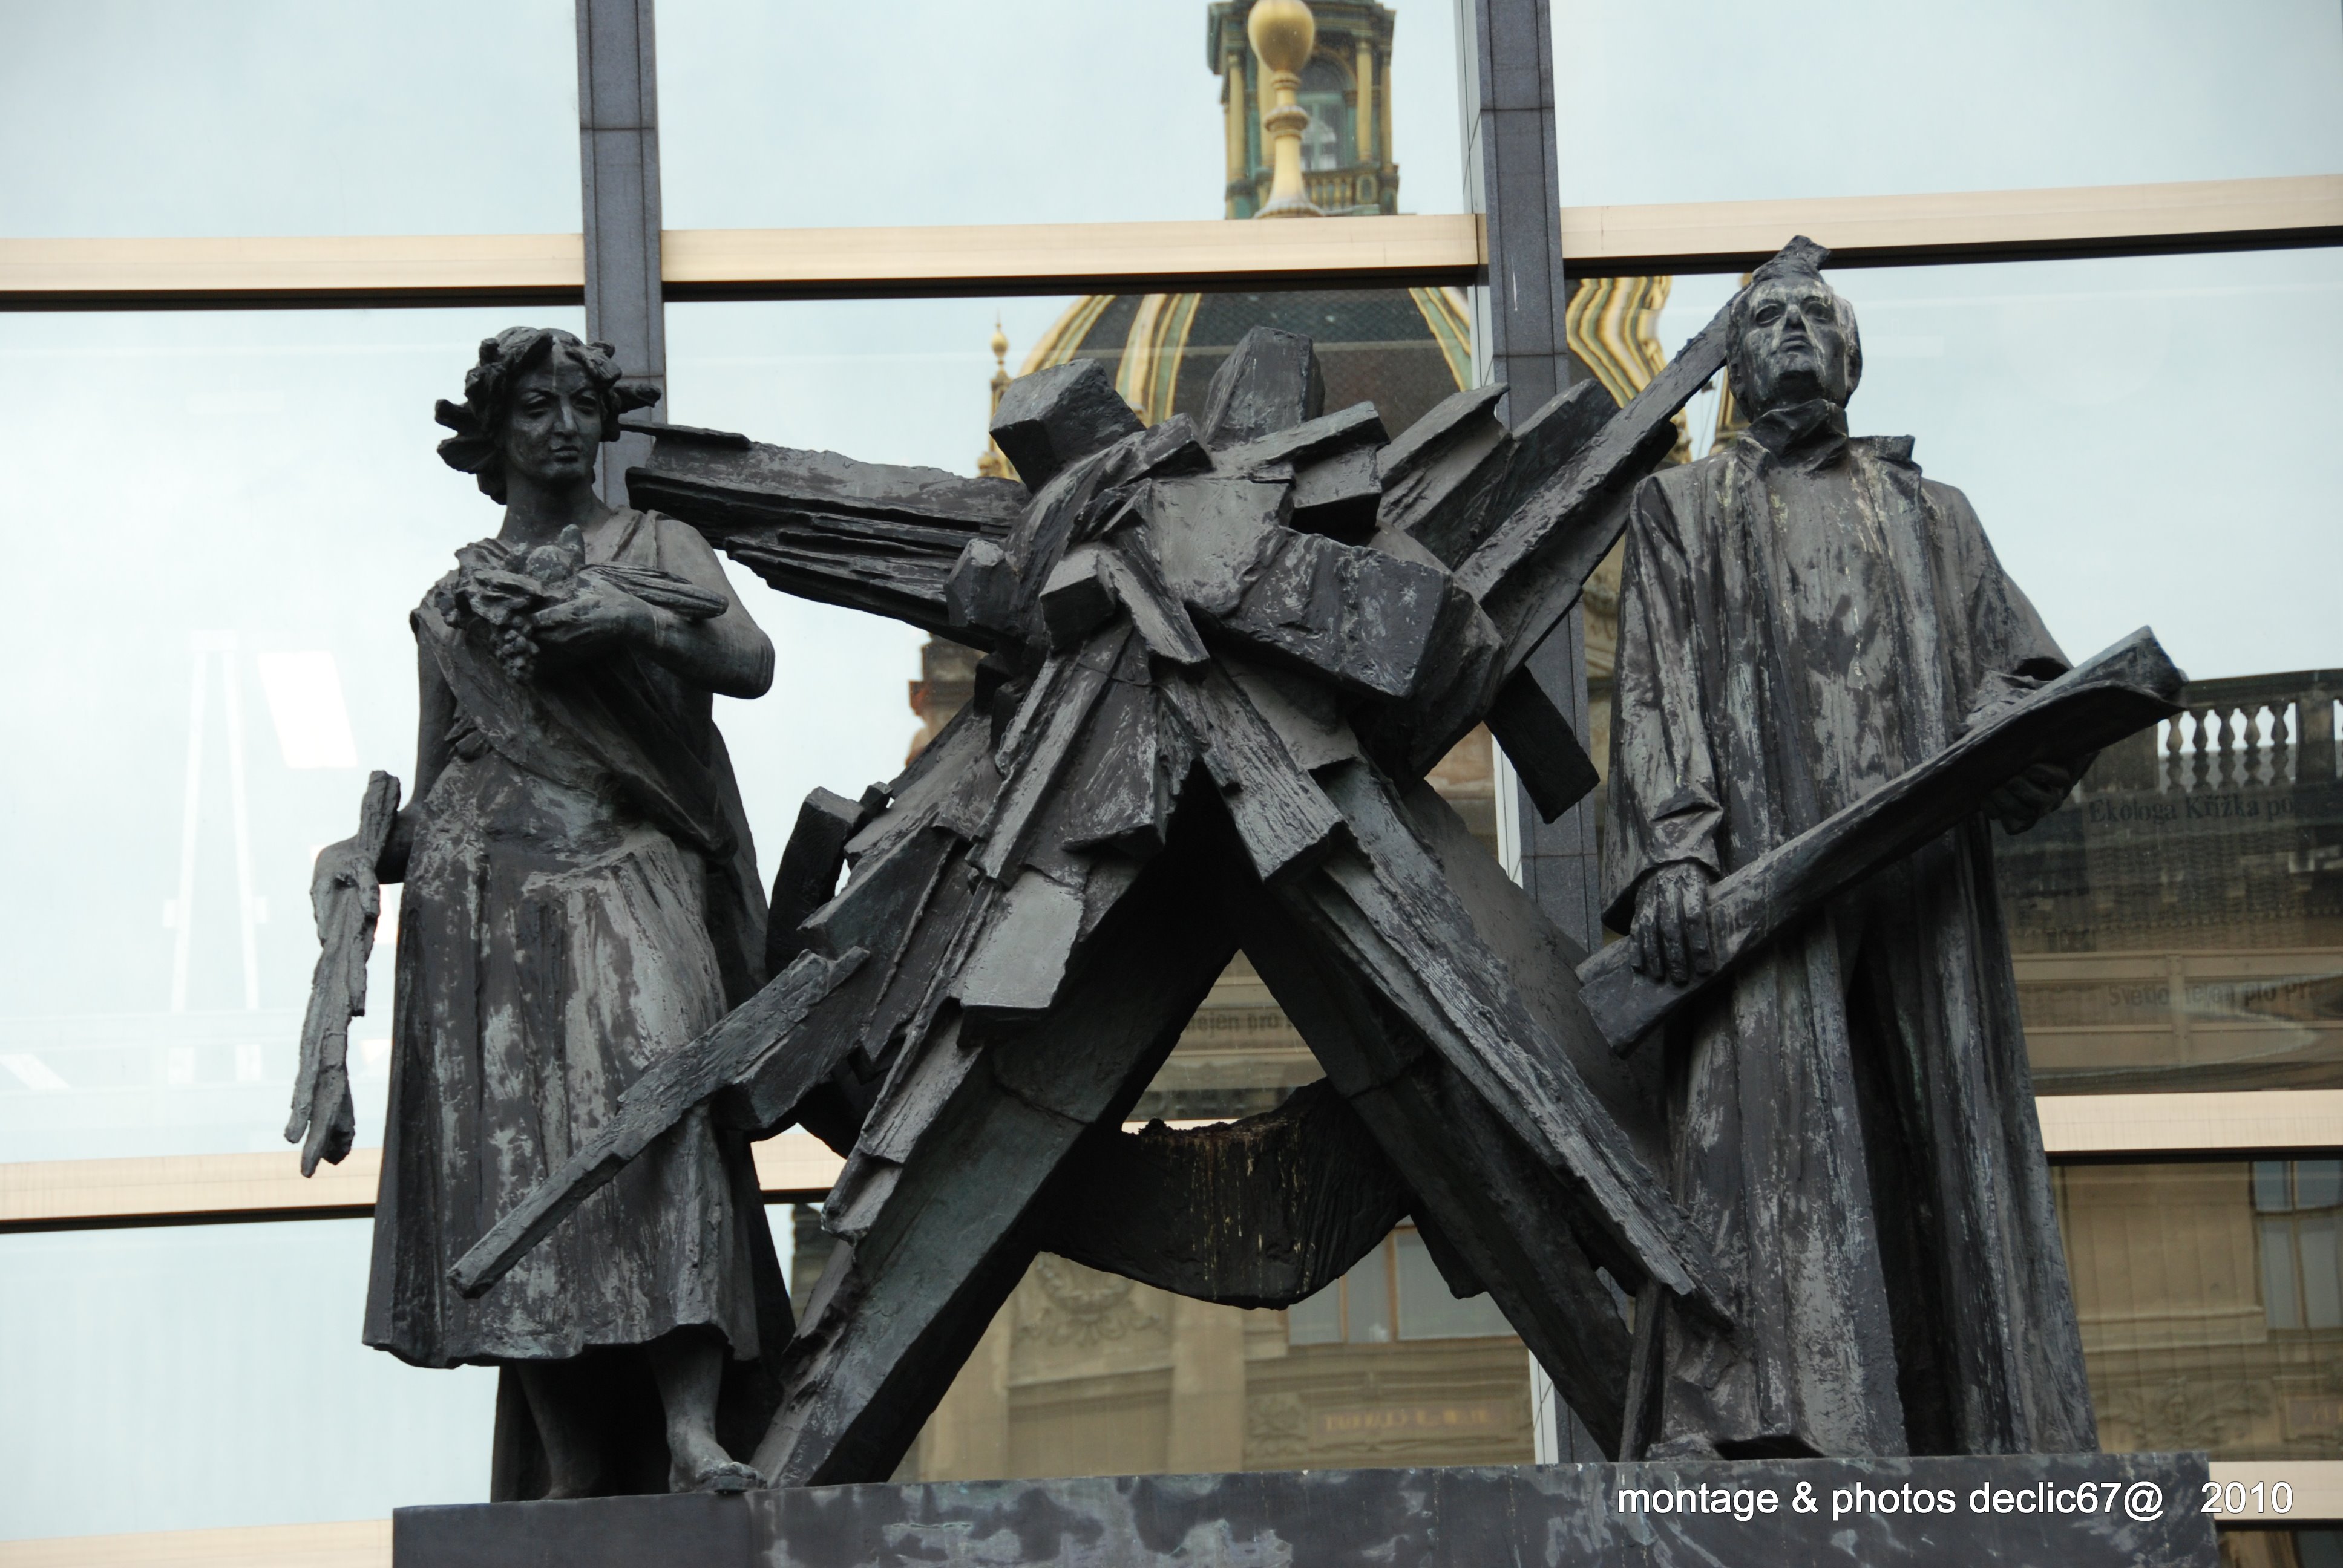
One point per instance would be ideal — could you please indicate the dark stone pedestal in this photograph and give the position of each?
(2077, 1510)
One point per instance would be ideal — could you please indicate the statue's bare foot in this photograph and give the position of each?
(698, 1462)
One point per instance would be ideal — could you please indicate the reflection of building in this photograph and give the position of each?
(1346, 148)
(2179, 923)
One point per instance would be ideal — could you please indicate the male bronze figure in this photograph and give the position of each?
(1805, 617)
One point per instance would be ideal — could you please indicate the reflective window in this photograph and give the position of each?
(1039, 111)
(127, 118)
(1084, 1373)
(1710, 100)
(228, 1357)
(2211, 1305)
(2281, 1548)
(252, 503)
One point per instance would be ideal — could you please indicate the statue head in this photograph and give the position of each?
(1793, 338)
(538, 403)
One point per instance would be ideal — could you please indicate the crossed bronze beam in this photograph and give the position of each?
(1222, 655)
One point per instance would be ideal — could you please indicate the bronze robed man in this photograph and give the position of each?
(1803, 617)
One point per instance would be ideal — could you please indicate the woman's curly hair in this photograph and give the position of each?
(477, 446)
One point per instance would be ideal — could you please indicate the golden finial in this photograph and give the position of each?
(994, 463)
(1283, 32)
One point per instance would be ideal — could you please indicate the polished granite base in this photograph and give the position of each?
(2066, 1511)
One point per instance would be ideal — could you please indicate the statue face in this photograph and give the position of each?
(553, 425)
(1793, 346)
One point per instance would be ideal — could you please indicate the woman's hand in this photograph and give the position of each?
(339, 866)
(598, 615)
(1671, 936)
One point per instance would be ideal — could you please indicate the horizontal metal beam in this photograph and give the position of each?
(1069, 258)
(1959, 226)
(217, 1189)
(244, 274)
(212, 1189)
(1073, 258)
(352, 1543)
(2209, 1125)
(741, 264)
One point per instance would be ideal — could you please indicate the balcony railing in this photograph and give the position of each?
(2246, 733)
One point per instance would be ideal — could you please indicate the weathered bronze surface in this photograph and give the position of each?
(1222, 653)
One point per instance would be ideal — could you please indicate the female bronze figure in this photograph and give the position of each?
(581, 898)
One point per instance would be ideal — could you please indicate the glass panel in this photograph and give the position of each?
(2319, 1182)
(233, 1349)
(1367, 1300)
(2281, 1548)
(2194, 1332)
(2175, 924)
(1427, 1311)
(279, 117)
(2281, 1299)
(1317, 1321)
(2322, 1290)
(1994, 96)
(265, 489)
(2269, 1186)
(1038, 111)
(1083, 1374)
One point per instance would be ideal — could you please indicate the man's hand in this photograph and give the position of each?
(596, 615)
(2031, 796)
(1671, 935)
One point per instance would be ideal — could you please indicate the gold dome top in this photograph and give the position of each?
(1283, 31)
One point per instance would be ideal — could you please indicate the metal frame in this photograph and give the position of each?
(321, 271)
(618, 166)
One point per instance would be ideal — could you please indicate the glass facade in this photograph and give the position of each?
(252, 505)
(132, 118)
(1084, 1373)
(224, 516)
(228, 1355)
(2211, 1302)
(1034, 111)
(1742, 103)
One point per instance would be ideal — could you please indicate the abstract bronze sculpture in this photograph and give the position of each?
(1222, 654)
